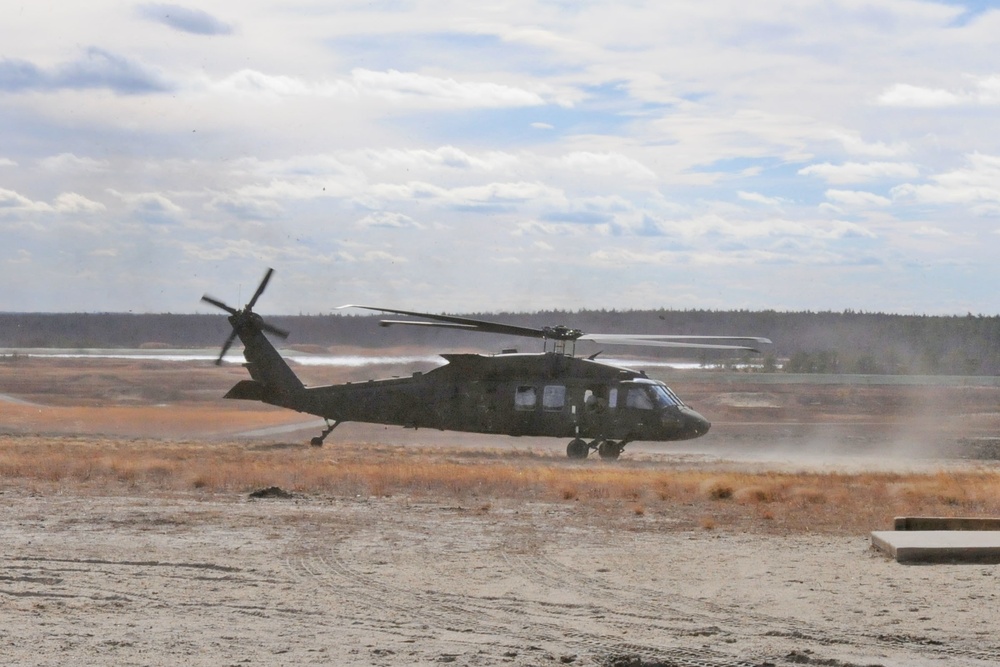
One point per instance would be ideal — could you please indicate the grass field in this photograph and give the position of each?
(125, 427)
(716, 497)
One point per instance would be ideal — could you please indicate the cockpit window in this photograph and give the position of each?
(638, 398)
(651, 396)
(664, 396)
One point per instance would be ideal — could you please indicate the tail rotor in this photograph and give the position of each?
(245, 320)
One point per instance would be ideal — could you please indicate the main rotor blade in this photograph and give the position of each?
(611, 338)
(414, 323)
(273, 329)
(674, 344)
(676, 341)
(459, 322)
(260, 289)
(563, 333)
(218, 304)
(225, 347)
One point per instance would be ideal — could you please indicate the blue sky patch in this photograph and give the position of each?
(973, 8)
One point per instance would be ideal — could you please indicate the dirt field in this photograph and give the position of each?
(129, 534)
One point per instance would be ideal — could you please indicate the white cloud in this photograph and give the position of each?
(746, 133)
(250, 82)
(151, 207)
(253, 251)
(421, 160)
(905, 95)
(22, 256)
(976, 187)
(68, 162)
(608, 164)
(855, 145)
(499, 193)
(12, 201)
(65, 203)
(984, 90)
(71, 202)
(857, 199)
(860, 172)
(300, 189)
(410, 89)
(717, 261)
(758, 198)
(382, 257)
(246, 208)
(307, 167)
(389, 220)
(929, 231)
(737, 229)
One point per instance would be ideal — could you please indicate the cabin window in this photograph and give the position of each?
(554, 397)
(525, 398)
(638, 398)
(595, 399)
(613, 397)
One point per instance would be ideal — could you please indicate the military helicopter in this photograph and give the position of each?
(600, 406)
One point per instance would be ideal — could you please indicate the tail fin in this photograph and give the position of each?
(266, 366)
(272, 377)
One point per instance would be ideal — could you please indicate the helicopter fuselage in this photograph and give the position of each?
(547, 394)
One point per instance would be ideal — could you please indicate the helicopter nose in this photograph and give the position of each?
(692, 424)
(698, 424)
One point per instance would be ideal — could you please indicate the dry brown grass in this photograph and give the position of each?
(655, 496)
(130, 420)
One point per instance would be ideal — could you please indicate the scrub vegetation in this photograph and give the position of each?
(651, 494)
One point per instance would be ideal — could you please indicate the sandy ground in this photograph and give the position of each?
(135, 578)
(362, 581)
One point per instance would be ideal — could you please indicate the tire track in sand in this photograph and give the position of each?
(706, 618)
(413, 613)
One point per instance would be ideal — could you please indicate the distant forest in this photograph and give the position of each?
(804, 342)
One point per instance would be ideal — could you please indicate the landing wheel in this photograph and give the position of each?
(577, 449)
(318, 440)
(609, 449)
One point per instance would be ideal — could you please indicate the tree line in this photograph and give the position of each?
(804, 342)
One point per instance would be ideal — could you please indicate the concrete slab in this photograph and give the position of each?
(939, 546)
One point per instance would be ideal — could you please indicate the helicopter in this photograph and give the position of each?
(600, 406)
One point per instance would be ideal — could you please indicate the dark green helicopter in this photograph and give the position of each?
(599, 406)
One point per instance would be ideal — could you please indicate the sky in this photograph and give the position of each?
(522, 155)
